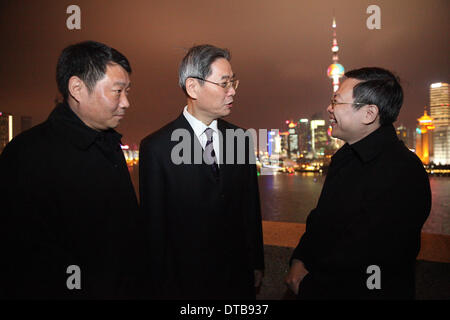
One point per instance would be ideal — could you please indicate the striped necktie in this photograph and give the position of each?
(209, 155)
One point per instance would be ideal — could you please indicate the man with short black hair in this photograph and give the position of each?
(362, 239)
(204, 218)
(69, 208)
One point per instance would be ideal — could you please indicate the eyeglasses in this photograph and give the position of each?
(226, 85)
(334, 103)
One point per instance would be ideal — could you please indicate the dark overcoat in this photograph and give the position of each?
(362, 239)
(67, 200)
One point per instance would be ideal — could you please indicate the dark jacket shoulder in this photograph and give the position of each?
(161, 137)
(161, 133)
(227, 125)
(29, 141)
(404, 162)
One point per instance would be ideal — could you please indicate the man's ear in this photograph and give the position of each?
(76, 87)
(371, 114)
(192, 87)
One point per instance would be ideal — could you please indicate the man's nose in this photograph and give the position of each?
(124, 103)
(330, 108)
(231, 91)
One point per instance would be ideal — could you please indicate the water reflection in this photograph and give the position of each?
(290, 198)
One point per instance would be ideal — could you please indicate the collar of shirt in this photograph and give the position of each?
(372, 145)
(67, 123)
(199, 130)
(198, 126)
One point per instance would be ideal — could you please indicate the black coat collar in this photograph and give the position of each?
(67, 124)
(372, 145)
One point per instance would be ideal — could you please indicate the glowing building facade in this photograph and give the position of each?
(440, 113)
(304, 137)
(293, 141)
(424, 138)
(6, 129)
(319, 137)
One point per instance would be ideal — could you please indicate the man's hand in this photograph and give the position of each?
(295, 275)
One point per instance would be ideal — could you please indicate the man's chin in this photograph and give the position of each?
(336, 136)
(113, 125)
(226, 112)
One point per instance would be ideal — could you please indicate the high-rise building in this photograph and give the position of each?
(424, 138)
(335, 70)
(25, 123)
(319, 137)
(6, 129)
(334, 144)
(273, 143)
(304, 137)
(293, 141)
(440, 113)
(406, 135)
(284, 137)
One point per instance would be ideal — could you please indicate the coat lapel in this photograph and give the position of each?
(224, 167)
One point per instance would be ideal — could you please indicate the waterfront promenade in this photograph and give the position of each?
(286, 201)
(280, 238)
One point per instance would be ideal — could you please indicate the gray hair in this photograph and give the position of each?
(197, 63)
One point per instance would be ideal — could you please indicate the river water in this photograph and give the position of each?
(290, 198)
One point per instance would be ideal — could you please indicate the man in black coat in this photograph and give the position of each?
(69, 208)
(362, 239)
(204, 220)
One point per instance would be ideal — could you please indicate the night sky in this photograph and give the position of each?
(280, 52)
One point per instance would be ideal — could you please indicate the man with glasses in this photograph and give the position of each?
(362, 239)
(204, 220)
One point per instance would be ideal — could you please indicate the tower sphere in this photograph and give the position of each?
(335, 70)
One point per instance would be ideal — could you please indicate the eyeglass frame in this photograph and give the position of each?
(333, 104)
(227, 87)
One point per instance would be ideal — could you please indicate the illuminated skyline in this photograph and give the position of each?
(280, 52)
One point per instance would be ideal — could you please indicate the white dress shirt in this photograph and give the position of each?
(199, 130)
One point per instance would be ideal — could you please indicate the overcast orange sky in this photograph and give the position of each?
(280, 52)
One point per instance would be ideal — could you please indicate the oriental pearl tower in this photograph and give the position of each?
(335, 70)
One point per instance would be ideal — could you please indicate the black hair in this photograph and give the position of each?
(379, 87)
(88, 61)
